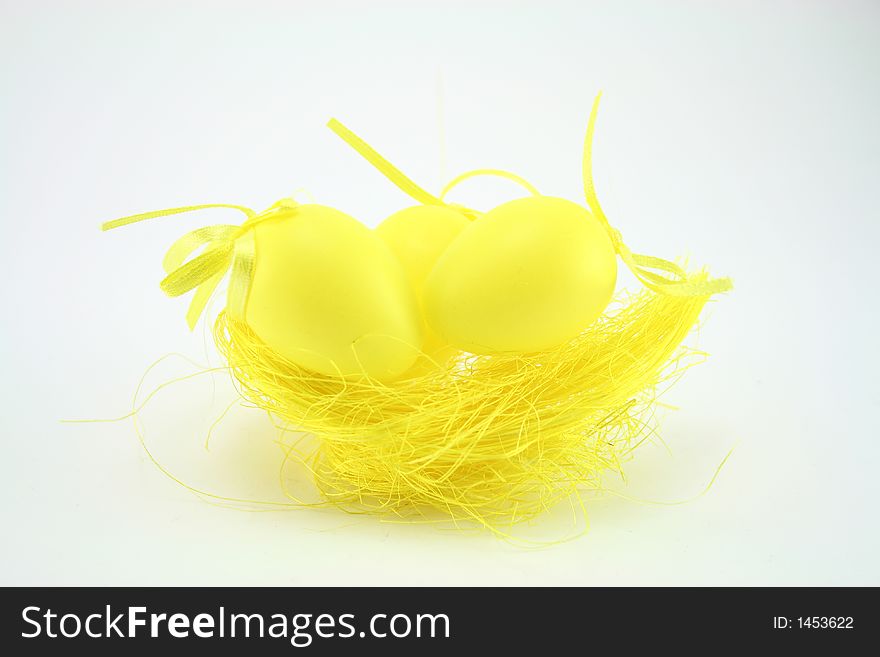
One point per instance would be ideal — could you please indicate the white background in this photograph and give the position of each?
(743, 134)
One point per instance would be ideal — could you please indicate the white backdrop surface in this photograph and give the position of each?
(743, 134)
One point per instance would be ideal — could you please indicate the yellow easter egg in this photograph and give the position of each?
(527, 276)
(328, 294)
(418, 236)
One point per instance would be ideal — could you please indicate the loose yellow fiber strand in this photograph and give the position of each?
(138, 405)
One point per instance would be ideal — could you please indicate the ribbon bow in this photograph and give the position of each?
(223, 246)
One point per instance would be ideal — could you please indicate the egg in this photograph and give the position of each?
(527, 276)
(328, 294)
(418, 236)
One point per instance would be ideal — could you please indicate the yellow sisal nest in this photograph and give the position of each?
(491, 439)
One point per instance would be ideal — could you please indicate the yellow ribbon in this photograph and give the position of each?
(384, 166)
(641, 265)
(679, 284)
(223, 246)
(498, 173)
(408, 186)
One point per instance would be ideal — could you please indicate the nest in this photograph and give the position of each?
(494, 440)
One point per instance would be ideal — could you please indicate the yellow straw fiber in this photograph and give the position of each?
(491, 439)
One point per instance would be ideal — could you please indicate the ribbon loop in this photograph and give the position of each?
(184, 247)
(193, 273)
(497, 173)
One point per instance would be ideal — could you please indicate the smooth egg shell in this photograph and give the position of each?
(418, 236)
(527, 276)
(328, 294)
